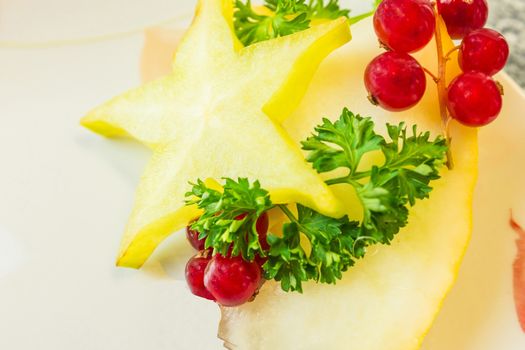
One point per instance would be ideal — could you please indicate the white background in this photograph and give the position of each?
(65, 196)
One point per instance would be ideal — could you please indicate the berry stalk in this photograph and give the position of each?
(394, 79)
(442, 89)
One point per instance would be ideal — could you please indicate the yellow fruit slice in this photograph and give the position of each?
(389, 299)
(205, 120)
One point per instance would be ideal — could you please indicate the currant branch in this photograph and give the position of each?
(396, 81)
(442, 88)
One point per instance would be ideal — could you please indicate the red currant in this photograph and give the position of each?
(232, 280)
(483, 50)
(195, 275)
(395, 81)
(241, 216)
(463, 16)
(474, 99)
(404, 25)
(263, 222)
(262, 228)
(193, 237)
(260, 260)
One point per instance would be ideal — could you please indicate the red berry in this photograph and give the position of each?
(404, 25)
(395, 81)
(474, 99)
(260, 260)
(232, 280)
(463, 16)
(262, 228)
(262, 225)
(483, 50)
(195, 275)
(193, 237)
(241, 216)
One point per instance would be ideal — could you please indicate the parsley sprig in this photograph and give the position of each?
(334, 246)
(410, 163)
(285, 17)
(229, 217)
(407, 163)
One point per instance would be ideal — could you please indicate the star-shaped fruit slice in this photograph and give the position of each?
(216, 115)
(388, 300)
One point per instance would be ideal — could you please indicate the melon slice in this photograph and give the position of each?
(214, 115)
(390, 298)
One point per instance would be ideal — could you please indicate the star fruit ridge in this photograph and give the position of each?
(217, 115)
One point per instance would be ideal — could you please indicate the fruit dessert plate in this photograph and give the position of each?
(401, 283)
(230, 98)
(53, 296)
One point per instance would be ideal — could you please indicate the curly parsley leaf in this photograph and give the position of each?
(229, 221)
(410, 163)
(385, 188)
(353, 136)
(284, 17)
(287, 260)
(288, 17)
(332, 249)
(229, 217)
(281, 18)
(330, 10)
(414, 160)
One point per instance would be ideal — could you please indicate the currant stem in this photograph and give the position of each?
(447, 56)
(442, 90)
(432, 75)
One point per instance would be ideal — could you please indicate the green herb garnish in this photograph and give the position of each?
(410, 163)
(285, 17)
(406, 165)
(230, 216)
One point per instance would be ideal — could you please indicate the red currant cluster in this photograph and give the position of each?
(230, 281)
(396, 81)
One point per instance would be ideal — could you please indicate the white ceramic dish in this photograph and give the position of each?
(65, 196)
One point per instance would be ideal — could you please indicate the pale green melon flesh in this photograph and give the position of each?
(389, 299)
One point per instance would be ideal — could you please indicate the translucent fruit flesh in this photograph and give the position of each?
(390, 298)
(230, 127)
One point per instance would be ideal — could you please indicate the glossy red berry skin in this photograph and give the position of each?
(195, 275)
(262, 224)
(241, 216)
(260, 260)
(483, 50)
(232, 280)
(463, 16)
(193, 237)
(395, 81)
(474, 99)
(404, 25)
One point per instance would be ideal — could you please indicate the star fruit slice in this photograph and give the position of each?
(216, 115)
(390, 298)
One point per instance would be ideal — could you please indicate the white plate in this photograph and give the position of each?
(65, 196)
